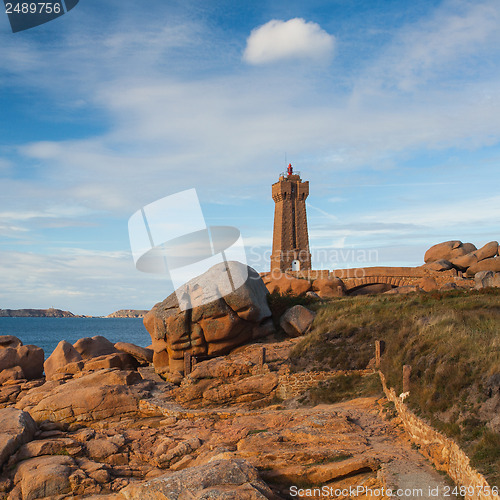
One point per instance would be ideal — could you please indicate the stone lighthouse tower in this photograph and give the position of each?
(290, 237)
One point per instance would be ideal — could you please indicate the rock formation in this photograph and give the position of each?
(18, 361)
(93, 396)
(90, 354)
(128, 313)
(297, 320)
(464, 257)
(208, 329)
(286, 284)
(223, 478)
(329, 287)
(491, 264)
(448, 250)
(17, 427)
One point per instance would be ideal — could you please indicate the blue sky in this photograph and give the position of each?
(390, 109)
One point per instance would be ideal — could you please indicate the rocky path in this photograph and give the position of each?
(407, 473)
(357, 444)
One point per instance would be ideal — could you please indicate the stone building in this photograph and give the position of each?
(290, 236)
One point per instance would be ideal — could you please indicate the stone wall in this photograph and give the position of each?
(443, 452)
(291, 385)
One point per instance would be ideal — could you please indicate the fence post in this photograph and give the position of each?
(262, 357)
(406, 378)
(378, 353)
(187, 363)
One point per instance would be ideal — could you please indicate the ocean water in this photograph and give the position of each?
(48, 332)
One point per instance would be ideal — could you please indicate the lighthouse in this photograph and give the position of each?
(290, 236)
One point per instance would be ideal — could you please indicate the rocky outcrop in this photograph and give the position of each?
(42, 477)
(297, 320)
(208, 329)
(18, 360)
(221, 479)
(61, 356)
(143, 355)
(91, 354)
(286, 284)
(16, 428)
(448, 250)
(438, 265)
(428, 284)
(249, 374)
(92, 347)
(462, 257)
(329, 287)
(468, 260)
(9, 341)
(128, 313)
(93, 396)
(485, 279)
(491, 264)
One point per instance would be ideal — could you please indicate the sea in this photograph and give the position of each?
(48, 332)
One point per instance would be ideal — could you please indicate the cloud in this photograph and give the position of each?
(78, 280)
(458, 41)
(294, 39)
(472, 212)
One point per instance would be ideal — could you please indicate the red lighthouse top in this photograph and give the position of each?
(289, 170)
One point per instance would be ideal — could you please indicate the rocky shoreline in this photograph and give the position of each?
(102, 424)
(128, 313)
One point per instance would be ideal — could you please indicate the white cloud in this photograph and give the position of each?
(78, 280)
(293, 39)
(458, 41)
(457, 214)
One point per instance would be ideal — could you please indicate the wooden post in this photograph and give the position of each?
(406, 378)
(262, 357)
(187, 363)
(378, 353)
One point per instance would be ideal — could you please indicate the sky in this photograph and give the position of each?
(390, 109)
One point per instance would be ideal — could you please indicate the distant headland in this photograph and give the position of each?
(37, 313)
(58, 313)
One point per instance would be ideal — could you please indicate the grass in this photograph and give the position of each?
(450, 339)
